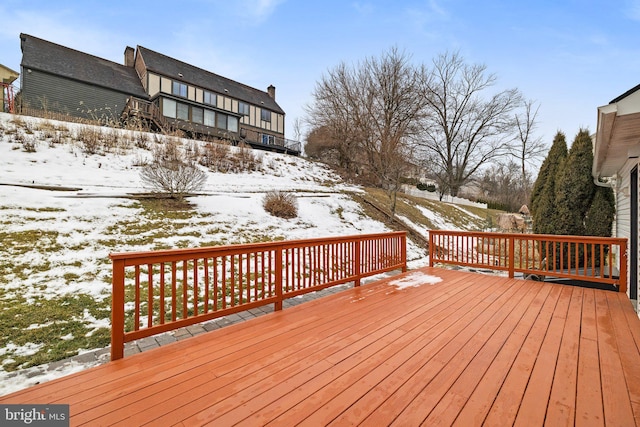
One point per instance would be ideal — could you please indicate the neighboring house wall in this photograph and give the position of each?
(63, 80)
(226, 109)
(201, 101)
(44, 91)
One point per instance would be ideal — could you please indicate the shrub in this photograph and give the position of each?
(170, 173)
(215, 157)
(246, 160)
(282, 205)
(90, 139)
(426, 187)
(142, 140)
(29, 144)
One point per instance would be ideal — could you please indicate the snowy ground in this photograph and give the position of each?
(55, 244)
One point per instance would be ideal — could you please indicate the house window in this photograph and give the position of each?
(169, 108)
(183, 112)
(210, 98)
(265, 115)
(179, 89)
(232, 124)
(209, 118)
(243, 108)
(197, 115)
(221, 121)
(267, 139)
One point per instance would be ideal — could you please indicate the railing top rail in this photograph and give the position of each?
(187, 253)
(550, 237)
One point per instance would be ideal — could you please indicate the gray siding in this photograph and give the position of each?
(53, 93)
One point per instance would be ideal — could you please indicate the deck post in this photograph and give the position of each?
(356, 261)
(512, 255)
(279, 290)
(623, 267)
(117, 310)
(431, 248)
(403, 249)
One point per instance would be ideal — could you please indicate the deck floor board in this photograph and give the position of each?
(472, 349)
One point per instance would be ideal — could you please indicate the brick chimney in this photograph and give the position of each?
(129, 56)
(271, 90)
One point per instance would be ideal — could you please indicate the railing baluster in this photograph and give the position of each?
(136, 320)
(223, 283)
(174, 291)
(248, 270)
(206, 284)
(195, 287)
(185, 289)
(150, 295)
(162, 296)
(240, 279)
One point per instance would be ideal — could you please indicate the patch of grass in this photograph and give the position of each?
(43, 321)
(21, 242)
(463, 217)
(47, 209)
(70, 277)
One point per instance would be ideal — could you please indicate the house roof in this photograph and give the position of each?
(617, 134)
(178, 70)
(7, 75)
(624, 95)
(59, 60)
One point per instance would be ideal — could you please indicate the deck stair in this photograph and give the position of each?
(148, 112)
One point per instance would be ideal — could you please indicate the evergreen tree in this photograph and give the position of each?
(543, 195)
(574, 187)
(599, 218)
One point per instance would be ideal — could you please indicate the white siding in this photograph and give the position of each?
(623, 204)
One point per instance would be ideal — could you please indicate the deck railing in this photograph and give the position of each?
(155, 292)
(584, 258)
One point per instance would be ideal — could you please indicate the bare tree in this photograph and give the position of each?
(527, 147)
(297, 128)
(373, 111)
(500, 184)
(464, 128)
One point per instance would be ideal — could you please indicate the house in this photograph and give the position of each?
(615, 163)
(164, 92)
(7, 77)
(62, 80)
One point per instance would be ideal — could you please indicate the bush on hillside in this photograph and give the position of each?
(282, 205)
(426, 187)
(171, 173)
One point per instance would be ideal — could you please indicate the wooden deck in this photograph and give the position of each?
(470, 350)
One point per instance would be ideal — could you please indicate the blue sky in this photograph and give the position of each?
(571, 56)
